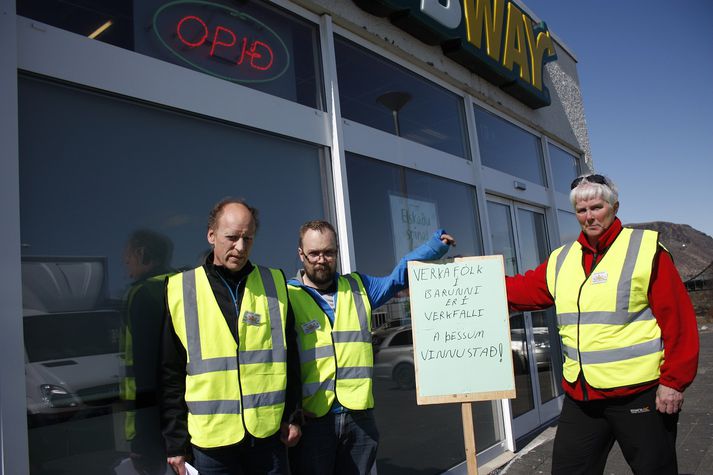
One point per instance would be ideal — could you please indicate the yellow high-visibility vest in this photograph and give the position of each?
(607, 328)
(335, 359)
(227, 395)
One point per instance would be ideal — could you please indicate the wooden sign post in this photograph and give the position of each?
(461, 335)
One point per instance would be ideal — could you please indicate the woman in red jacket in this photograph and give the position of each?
(629, 336)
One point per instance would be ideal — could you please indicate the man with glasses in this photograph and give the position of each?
(333, 324)
(629, 337)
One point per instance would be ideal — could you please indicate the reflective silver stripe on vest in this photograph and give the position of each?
(310, 389)
(351, 336)
(279, 353)
(355, 372)
(211, 365)
(190, 311)
(560, 261)
(316, 353)
(252, 401)
(623, 291)
(618, 354)
(360, 309)
(207, 408)
(607, 318)
(262, 356)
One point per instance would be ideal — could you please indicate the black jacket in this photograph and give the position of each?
(174, 413)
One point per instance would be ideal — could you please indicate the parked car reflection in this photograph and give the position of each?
(73, 363)
(518, 345)
(393, 355)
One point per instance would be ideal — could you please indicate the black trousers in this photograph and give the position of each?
(587, 430)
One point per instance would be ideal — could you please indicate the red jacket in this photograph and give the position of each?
(669, 303)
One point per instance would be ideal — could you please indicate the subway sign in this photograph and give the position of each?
(493, 38)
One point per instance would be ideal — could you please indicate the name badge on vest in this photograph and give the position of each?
(251, 318)
(310, 327)
(599, 277)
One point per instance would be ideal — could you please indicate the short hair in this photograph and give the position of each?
(157, 248)
(315, 225)
(217, 211)
(587, 190)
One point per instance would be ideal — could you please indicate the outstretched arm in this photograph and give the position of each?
(381, 289)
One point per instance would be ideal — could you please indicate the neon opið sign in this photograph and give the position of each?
(221, 41)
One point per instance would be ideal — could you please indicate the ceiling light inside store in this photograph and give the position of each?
(101, 29)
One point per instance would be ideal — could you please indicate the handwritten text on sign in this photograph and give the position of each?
(461, 328)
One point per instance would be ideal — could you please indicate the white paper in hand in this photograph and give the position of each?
(190, 469)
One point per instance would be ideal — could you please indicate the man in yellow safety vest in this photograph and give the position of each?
(333, 325)
(230, 372)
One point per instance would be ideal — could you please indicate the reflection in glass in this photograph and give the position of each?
(503, 239)
(396, 209)
(568, 226)
(521, 362)
(248, 42)
(508, 148)
(533, 238)
(502, 236)
(565, 168)
(378, 93)
(534, 251)
(389, 206)
(547, 355)
(113, 196)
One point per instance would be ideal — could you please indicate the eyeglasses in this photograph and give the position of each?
(599, 179)
(328, 255)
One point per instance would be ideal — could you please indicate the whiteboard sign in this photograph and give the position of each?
(461, 330)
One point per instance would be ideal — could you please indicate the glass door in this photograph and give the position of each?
(519, 233)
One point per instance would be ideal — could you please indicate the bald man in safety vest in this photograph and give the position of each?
(230, 371)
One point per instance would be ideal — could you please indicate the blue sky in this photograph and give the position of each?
(646, 73)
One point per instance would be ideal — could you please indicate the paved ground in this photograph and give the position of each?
(695, 430)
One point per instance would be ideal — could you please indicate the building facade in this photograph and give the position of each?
(391, 119)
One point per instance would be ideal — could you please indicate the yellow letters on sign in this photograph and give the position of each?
(515, 42)
(480, 16)
(524, 45)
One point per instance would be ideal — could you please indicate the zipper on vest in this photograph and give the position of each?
(336, 366)
(585, 395)
(234, 298)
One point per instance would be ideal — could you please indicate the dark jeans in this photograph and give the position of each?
(337, 444)
(249, 457)
(587, 430)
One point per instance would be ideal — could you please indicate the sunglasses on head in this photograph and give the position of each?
(599, 179)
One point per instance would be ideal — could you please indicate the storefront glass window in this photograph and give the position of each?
(381, 194)
(568, 226)
(508, 148)
(378, 93)
(112, 191)
(248, 42)
(565, 168)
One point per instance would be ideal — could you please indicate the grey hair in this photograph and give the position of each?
(587, 190)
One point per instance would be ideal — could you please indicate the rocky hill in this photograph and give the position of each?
(691, 249)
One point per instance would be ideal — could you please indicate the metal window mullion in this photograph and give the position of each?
(14, 456)
(333, 124)
(480, 197)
